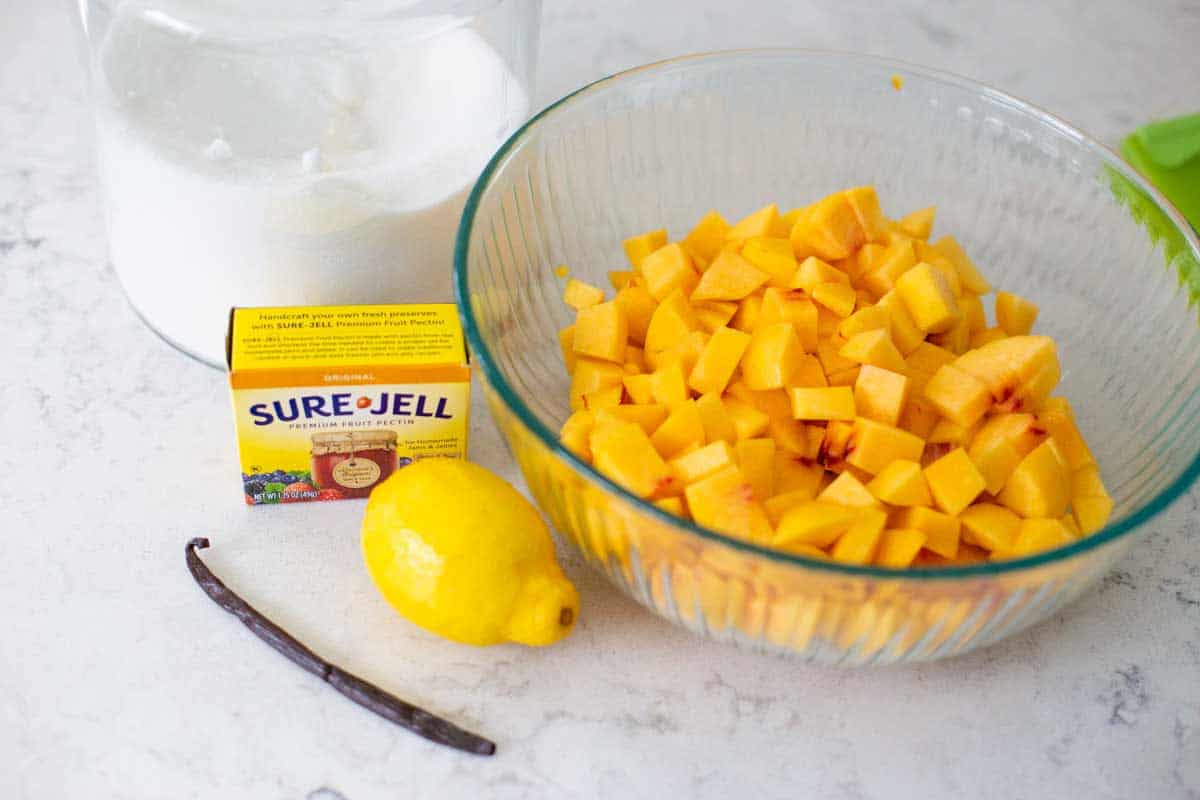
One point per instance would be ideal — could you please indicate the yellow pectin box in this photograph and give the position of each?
(331, 400)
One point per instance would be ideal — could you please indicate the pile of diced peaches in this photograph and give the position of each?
(825, 382)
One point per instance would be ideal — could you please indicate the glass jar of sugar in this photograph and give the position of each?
(295, 152)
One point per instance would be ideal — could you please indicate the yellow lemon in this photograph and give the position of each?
(459, 552)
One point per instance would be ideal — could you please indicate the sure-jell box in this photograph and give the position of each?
(331, 400)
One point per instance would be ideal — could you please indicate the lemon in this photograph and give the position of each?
(459, 552)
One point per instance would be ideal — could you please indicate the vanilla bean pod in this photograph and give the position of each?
(367, 695)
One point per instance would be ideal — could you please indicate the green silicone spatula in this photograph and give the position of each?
(1168, 154)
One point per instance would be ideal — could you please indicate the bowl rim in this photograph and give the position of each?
(1152, 508)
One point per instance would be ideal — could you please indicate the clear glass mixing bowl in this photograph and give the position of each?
(1045, 211)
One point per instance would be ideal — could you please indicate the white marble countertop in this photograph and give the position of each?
(122, 681)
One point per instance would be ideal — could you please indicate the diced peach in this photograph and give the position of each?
(919, 224)
(867, 258)
(792, 436)
(715, 419)
(928, 298)
(748, 421)
(683, 427)
(904, 331)
(756, 459)
(879, 394)
(649, 417)
(973, 313)
(831, 360)
(638, 306)
(780, 305)
(668, 386)
(576, 432)
(812, 272)
(1014, 314)
(873, 445)
(764, 222)
(919, 417)
(578, 294)
(685, 352)
(953, 434)
(897, 259)
(708, 237)
(591, 374)
(815, 523)
(972, 280)
(1036, 536)
(980, 338)
(715, 314)
(635, 360)
(672, 320)
(839, 298)
(796, 474)
(835, 445)
(1058, 419)
(729, 277)
(772, 357)
(1014, 369)
(830, 228)
(639, 388)
(667, 269)
(622, 452)
(941, 530)
(718, 361)
(672, 505)
(845, 377)
(807, 372)
(601, 331)
(958, 396)
(1040, 486)
(897, 548)
(847, 490)
(1091, 513)
(901, 483)
(566, 343)
(941, 264)
(865, 319)
(827, 322)
(954, 481)
(1000, 444)
(724, 502)
(989, 526)
(957, 340)
(774, 402)
(859, 544)
(748, 314)
(928, 358)
(834, 402)
(874, 348)
(774, 257)
(620, 278)
(638, 247)
(702, 462)
(865, 203)
(1090, 501)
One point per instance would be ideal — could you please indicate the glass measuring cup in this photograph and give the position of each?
(295, 152)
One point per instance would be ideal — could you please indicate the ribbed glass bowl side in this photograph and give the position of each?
(724, 593)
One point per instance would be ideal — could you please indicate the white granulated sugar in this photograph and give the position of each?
(245, 169)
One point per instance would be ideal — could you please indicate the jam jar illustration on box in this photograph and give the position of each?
(354, 462)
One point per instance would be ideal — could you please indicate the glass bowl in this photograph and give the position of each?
(1044, 210)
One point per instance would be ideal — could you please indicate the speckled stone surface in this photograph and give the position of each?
(120, 680)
